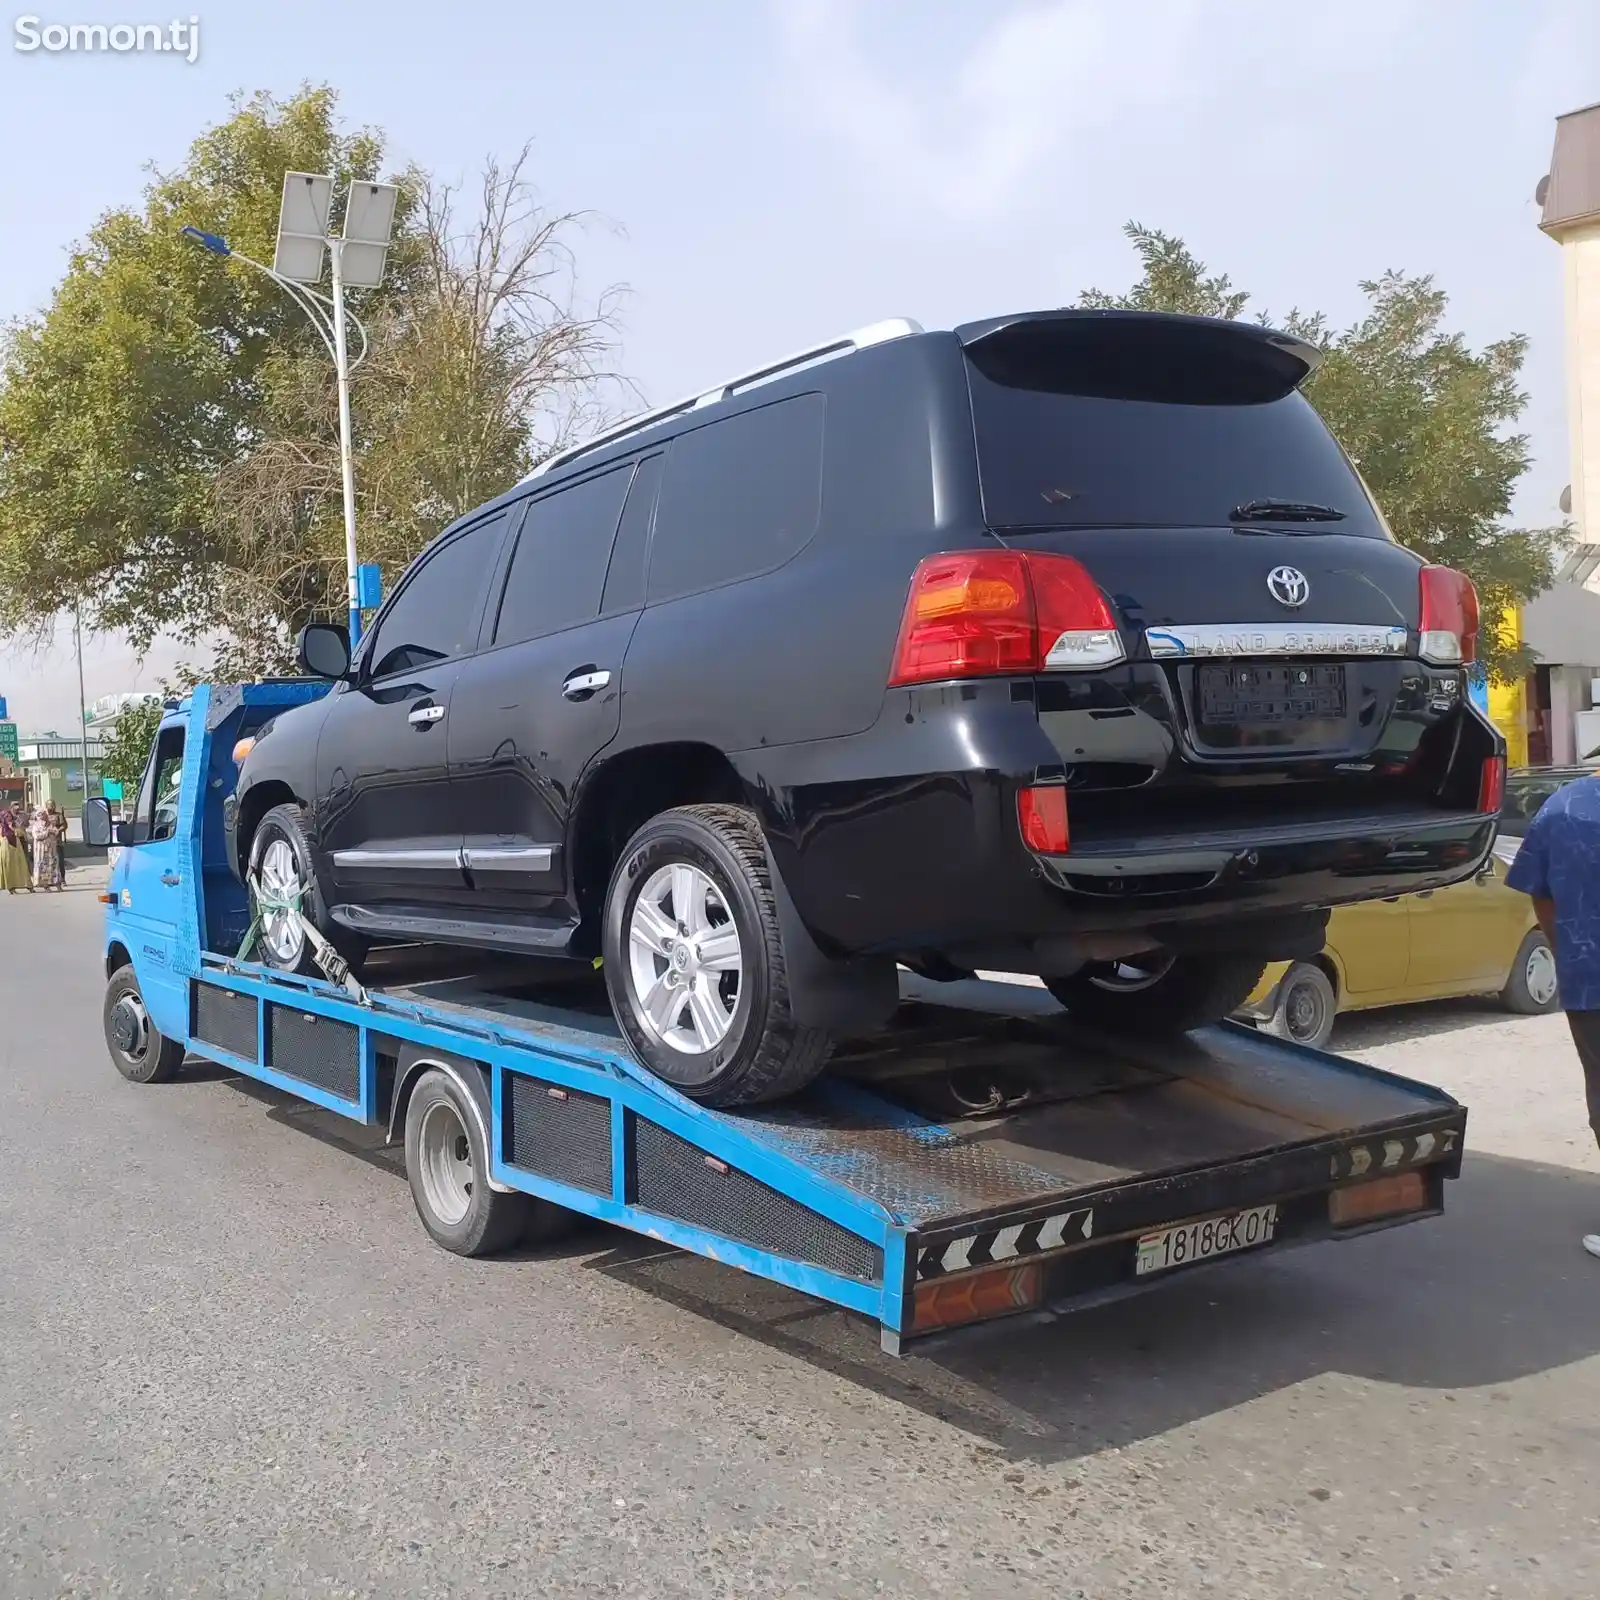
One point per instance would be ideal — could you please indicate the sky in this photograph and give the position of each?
(766, 173)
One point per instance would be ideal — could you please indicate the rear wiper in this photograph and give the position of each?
(1285, 511)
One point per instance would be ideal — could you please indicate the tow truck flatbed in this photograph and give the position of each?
(982, 1157)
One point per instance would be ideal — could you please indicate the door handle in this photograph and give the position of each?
(170, 877)
(1424, 894)
(425, 716)
(583, 684)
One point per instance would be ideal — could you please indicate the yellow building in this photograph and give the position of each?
(1508, 702)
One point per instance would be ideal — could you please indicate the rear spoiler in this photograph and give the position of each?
(1140, 355)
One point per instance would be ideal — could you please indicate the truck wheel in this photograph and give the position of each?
(280, 856)
(694, 960)
(139, 1049)
(1306, 1006)
(1531, 987)
(448, 1170)
(1159, 993)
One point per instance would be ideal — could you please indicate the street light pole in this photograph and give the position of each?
(358, 258)
(341, 363)
(83, 713)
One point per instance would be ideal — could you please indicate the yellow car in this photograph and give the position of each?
(1477, 937)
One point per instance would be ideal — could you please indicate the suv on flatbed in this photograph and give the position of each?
(1066, 643)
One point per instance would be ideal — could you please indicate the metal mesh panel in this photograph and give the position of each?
(675, 1179)
(226, 1020)
(316, 1050)
(558, 1133)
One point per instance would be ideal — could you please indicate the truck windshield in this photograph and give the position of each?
(1105, 425)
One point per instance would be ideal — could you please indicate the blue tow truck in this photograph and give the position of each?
(982, 1157)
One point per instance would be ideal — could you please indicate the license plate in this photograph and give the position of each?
(1260, 695)
(1200, 1241)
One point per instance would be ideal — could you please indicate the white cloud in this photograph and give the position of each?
(1047, 77)
(1039, 74)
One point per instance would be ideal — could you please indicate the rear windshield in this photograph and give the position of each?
(1099, 426)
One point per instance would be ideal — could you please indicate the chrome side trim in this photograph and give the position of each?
(1276, 639)
(421, 860)
(521, 858)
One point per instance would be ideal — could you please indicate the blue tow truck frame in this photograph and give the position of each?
(967, 1164)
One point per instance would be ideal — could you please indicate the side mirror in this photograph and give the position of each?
(97, 827)
(324, 650)
(123, 833)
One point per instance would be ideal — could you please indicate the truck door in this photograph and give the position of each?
(151, 885)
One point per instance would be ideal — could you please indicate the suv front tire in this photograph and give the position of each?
(694, 960)
(280, 859)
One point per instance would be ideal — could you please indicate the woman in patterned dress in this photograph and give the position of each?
(46, 849)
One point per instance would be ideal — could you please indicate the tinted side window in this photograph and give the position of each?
(559, 567)
(435, 616)
(156, 813)
(740, 496)
(625, 577)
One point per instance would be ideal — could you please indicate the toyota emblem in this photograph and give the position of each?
(1289, 586)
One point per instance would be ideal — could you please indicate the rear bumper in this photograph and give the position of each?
(905, 839)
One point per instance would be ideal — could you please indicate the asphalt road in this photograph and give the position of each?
(232, 1363)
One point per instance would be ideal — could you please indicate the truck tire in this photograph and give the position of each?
(139, 1049)
(448, 1170)
(694, 960)
(1160, 994)
(280, 856)
(1531, 985)
(1305, 1006)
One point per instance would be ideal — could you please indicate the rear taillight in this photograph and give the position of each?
(987, 613)
(1492, 784)
(1042, 816)
(1449, 617)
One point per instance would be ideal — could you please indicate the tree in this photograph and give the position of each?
(128, 749)
(168, 426)
(1423, 416)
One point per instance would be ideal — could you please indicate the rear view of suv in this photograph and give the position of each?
(1067, 643)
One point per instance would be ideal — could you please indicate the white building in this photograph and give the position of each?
(1563, 625)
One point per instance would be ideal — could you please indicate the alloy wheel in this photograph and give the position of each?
(685, 960)
(1128, 977)
(279, 873)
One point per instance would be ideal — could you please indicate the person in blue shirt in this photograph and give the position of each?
(1558, 865)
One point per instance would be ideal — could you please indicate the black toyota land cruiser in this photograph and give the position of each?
(1066, 643)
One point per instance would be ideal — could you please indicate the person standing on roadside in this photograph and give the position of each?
(19, 820)
(43, 831)
(13, 862)
(58, 819)
(1558, 866)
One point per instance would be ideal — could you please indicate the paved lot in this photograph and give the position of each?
(231, 1363)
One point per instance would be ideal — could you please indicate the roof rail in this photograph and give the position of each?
(876, 333)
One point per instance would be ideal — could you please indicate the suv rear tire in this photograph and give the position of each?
(280, 855)
(694, 960)
(1155, 996)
